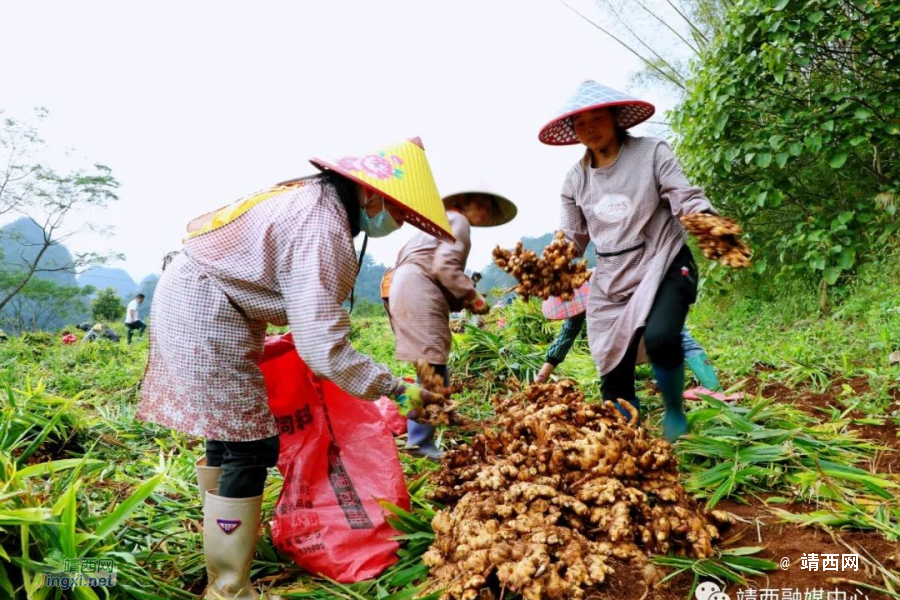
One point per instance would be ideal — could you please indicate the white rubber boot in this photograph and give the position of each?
(207, 478)
(230, 531)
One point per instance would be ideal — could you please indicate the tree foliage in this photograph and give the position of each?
(42, 303)
(368, 281)
(50, 199)
(107, 306)
(791, 121)
(663, 34)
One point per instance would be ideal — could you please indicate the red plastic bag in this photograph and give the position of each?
(338, 459)
(391, 415)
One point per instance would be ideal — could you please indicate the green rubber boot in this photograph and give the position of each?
(671, 383)
(704, 372)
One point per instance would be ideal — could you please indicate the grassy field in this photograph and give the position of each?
(808, 461)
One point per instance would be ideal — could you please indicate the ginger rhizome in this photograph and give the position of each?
(553, 274)
(719, 239)
(442, 412)
(546, 500)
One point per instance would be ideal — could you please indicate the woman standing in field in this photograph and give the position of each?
(283, 256)
(626, 195)
(429, 282)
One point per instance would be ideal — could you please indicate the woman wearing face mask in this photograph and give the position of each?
(283, 256)
(429, 282)
(626, 195)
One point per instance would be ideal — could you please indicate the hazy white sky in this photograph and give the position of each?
(194, 104)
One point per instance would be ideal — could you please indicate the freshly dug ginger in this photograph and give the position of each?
(546, 499)
(553, 274)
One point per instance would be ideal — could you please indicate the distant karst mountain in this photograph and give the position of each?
(21, 240)
(104, 277)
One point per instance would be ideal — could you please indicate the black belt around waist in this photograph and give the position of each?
(620, 252)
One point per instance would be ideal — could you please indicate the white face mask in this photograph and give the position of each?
(381, 224)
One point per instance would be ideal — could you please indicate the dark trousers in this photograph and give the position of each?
(245, 465)
(135, 325)
(662, 333)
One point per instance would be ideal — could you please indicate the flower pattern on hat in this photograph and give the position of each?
(349, 163)
(401, 174)
(378, 165)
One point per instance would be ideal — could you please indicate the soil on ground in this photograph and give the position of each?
(758, 525)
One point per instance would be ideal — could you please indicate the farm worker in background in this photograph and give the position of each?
(132, 321)
(694, 354)
(283, 256)
(626, 195)
(98, 331)
(67, 338)
(429, 282)
(94, 333)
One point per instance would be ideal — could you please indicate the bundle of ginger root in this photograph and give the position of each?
(442, 412)
(553, 274)
(719, 238)
(544, 503)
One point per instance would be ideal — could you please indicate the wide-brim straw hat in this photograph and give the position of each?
(590, 95)
(506, 209)
(400, 174)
